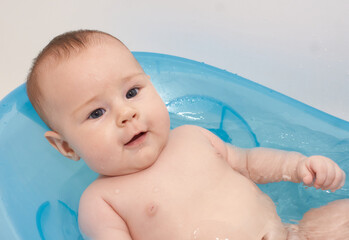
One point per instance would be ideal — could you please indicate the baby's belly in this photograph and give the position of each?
(234, 209)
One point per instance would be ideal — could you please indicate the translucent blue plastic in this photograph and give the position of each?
(40, 189)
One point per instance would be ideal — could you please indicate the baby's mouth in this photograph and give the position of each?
(136, 138)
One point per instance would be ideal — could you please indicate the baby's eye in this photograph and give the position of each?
(132, 93)
(96, 113)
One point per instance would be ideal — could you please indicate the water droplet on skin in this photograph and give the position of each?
(286, 177)
(196, 233)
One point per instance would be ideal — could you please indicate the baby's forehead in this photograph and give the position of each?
(63, 52)
(66, 69)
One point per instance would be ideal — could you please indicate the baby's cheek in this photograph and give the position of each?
(94, 156)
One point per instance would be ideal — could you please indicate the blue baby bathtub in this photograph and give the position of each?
(40, 189)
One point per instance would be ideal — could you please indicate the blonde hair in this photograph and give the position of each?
(60, 47)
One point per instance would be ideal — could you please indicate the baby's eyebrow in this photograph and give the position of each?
(134, 76)
(84, 104)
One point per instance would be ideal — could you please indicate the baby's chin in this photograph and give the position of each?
(140, 160)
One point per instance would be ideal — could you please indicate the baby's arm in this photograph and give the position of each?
(270, 165)
(98, 220)
(263, 165)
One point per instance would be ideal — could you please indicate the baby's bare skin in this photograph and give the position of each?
(190, 192)
(157, 184)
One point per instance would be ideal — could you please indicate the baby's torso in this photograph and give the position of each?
(192, 193)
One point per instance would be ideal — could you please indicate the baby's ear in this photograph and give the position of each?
(56, 140)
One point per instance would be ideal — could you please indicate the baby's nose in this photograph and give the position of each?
(126, 115)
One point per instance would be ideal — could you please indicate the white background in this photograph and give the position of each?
(297, 47)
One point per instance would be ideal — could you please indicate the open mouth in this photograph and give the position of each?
(136, 139)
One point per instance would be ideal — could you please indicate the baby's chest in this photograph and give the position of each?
(180, 206)
(176, 200)
(173, 207)
(180, 181)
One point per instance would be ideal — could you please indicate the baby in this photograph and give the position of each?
(154, 183)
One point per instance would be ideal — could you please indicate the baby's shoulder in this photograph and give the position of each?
(190, 135)
(192, 131)
(188, 130)
(97, 188)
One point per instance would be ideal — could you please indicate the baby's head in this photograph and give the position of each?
(101, 106)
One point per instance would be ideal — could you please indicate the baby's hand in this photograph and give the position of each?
(321, 172)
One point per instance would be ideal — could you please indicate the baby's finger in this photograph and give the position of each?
(338, 181)
(308, 180)
(343, 180)
(330, 178)
(320, 175)
(305, 175)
